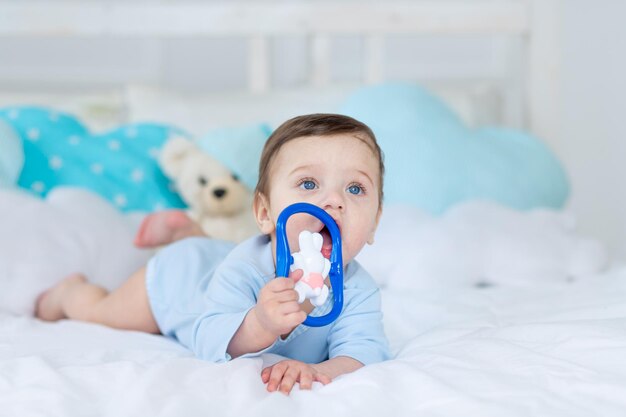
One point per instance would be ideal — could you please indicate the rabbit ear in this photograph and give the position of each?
(318, 241)
(304, 238)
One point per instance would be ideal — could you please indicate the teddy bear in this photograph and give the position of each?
(219, 205)
(314, 266)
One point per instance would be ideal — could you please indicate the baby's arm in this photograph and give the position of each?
(250, 337)
(358, 331)
(276, 313)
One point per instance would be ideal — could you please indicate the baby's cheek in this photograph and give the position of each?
(347, 252)
(353, 246)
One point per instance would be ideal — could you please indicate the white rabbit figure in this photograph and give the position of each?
(314, 266)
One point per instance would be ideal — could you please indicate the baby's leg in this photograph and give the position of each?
(75, 298)
(165, 227)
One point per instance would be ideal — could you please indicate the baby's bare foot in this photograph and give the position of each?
(48, 306)
(165, 227)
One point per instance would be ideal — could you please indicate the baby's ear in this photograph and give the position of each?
(262, 214)
(173, 155)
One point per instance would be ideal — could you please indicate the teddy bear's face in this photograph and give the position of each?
(210, 188)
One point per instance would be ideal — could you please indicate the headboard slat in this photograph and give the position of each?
(320, 60)
(374, 45)
(258, 65)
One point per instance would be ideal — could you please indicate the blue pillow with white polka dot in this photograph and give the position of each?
(11, 155)
(120, 165)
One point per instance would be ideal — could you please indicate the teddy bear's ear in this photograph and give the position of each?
(173, 155)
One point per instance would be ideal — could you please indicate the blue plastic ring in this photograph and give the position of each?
(284, 258)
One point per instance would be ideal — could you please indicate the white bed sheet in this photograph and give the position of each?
(554, 350)
(550, 341)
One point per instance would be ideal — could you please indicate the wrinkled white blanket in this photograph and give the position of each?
(547, 338)
(553, 350)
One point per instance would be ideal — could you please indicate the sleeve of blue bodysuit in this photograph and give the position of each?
(231, 293)
(358, 331)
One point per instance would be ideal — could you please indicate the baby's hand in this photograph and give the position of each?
(283, 375)
(277, 308)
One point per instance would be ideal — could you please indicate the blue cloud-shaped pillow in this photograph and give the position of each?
(11, 155)
(120, 165)
(433, 160)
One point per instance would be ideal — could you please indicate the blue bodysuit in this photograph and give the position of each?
(201, 289)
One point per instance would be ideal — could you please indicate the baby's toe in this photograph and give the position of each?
(46, 308)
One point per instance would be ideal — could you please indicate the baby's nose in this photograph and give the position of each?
(333, 201)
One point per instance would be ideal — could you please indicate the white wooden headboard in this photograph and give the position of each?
(536, 21)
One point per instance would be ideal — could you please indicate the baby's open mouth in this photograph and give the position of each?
(327, 246)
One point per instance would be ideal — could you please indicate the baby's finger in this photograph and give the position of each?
(289, 307)
(323, 378)
(295, 319)
(280, 284)
(289, 379)
(276, 376)
(286, 296)
(306, 379)
(296, 275)
(265, 374)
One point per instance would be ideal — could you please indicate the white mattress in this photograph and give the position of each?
(546, 337)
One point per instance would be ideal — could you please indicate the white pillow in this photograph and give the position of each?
(199, 113)
(479, 243)
(73, 230)
(98, 110)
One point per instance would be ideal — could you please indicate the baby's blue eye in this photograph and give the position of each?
(308, 185)
(355, 189)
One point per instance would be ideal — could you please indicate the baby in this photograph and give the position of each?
(223, 301)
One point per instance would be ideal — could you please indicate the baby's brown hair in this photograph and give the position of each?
(318, 124)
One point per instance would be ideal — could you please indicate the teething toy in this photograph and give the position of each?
(314, 268)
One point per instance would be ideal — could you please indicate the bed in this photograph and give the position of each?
(491, 310)
(525, 321)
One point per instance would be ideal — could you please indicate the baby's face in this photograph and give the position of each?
(337, 173)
